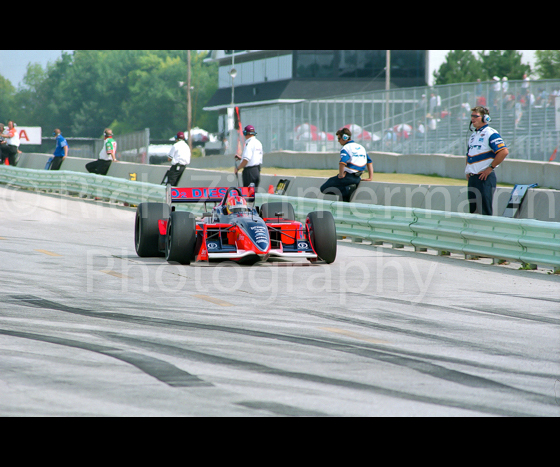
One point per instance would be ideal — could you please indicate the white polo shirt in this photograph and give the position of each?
(180, 153)
(12, 137)
(253, 152)
(484, 144)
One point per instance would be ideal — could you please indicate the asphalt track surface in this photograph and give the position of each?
(87, 328)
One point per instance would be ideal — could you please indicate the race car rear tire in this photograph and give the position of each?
(269, 210)
(322, 234)
(146, 229)
(181, 237)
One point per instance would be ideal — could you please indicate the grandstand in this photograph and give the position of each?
(527, 115)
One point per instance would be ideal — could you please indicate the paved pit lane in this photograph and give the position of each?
(87, 328)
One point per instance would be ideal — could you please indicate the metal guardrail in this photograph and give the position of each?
(84, 185)
(528, 241)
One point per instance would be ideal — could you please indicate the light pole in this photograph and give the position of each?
(189, 100)
(233, 74)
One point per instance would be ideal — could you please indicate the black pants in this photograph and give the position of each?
(56, 163)
(252, 175)
(100, 166)
(174, 174)
(481, 194)
(341, 187)
(9, 152)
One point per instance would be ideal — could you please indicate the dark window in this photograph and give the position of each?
(315, 64)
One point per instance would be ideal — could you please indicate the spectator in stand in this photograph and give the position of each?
(423, 105)
(519, 110)
(530, 98)
(552, 97)
(509, 100)
(526, 83)
(432, 122)
(495, 91)
(433, 103)
(542, 98)
(505, 85)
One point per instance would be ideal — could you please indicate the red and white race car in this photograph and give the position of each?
(232, 230)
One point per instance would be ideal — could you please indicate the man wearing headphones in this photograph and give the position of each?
(486, 151)
(251, 159)
(107, 155)
(353, 160)
(180, 157)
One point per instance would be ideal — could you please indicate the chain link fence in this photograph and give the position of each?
(421, 120)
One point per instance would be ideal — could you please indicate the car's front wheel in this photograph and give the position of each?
(181, 237)
(322, 234)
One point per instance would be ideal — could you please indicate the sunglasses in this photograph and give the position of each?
(475, 116)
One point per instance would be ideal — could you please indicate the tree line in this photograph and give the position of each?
(127, 90)
(462, 66)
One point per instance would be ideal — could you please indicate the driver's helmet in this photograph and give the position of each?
(236, 203)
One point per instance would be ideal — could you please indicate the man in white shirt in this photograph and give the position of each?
(251, 159)
(487, 150)
(180, 157)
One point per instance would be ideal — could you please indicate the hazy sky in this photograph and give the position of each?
(13, 63)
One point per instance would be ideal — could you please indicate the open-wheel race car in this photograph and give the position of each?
(233, 230)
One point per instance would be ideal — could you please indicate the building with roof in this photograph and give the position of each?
(264, 77)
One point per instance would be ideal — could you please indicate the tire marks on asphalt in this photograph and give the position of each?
(159, 369)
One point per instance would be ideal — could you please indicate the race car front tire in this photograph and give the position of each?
(181, 237)
(146, 229)
(322, 234)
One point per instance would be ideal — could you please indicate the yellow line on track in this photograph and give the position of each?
(116, 274)
(46, 252)
(355, 335)
(216, 301)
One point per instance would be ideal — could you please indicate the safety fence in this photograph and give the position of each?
(527, 241)
(418, 120)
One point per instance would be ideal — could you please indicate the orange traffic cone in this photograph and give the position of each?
(7, 162)
(271, 189)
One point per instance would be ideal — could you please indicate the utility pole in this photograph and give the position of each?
(387, 85)
(189, 103)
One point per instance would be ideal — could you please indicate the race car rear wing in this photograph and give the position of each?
(203, 195)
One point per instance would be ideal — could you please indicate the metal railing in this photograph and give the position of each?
(526, 240)
(415, 121)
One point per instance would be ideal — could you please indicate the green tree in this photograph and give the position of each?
(547, 64)
(7, 95)
(460, 66)
(130, 90)
(502, 63)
